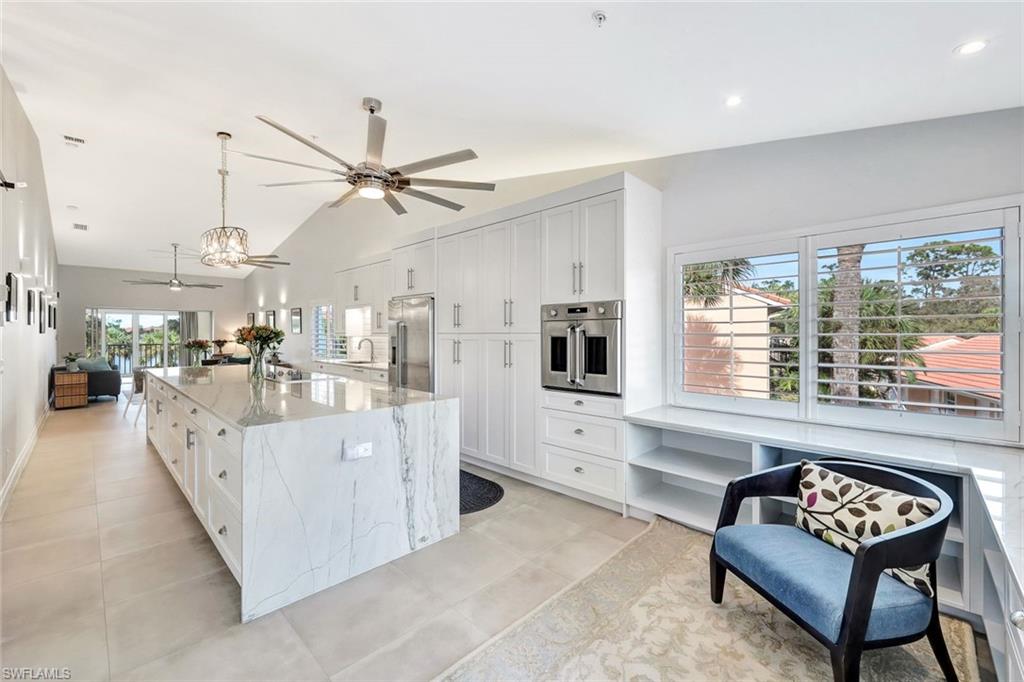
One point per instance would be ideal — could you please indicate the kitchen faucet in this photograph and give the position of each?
(360, 345)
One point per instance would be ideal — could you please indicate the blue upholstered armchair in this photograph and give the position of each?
(847, 602)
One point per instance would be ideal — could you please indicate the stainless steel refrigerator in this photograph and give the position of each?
(411, 341)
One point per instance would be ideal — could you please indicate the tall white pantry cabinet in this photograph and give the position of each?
(598, 241)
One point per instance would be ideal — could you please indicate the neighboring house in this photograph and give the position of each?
(730, 365)
(972, 388)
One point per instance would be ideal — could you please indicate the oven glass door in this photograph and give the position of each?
(558, 355)
(597, 365)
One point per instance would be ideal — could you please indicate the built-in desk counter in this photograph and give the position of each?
(306, 484)
(680, 460)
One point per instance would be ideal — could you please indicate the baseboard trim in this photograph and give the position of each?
(21, 462)
(544, 483)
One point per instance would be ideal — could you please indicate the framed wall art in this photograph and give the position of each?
(296, 320)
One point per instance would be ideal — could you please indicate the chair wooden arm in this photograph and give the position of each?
(781, 480)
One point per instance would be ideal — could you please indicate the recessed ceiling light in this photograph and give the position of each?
(733, 101)
(972, 47)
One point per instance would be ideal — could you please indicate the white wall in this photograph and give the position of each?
(752, 190)
(26, 248)
(84, 287)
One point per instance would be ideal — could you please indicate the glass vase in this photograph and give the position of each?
(256, 371)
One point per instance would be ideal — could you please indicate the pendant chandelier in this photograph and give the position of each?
(227, 246)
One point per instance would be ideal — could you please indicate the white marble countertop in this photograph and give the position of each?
(226, 391)
(997, 470)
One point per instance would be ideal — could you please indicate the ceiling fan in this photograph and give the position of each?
(174, 284)
(370, 179)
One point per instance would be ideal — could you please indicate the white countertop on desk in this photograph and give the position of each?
(226, 391)
(997, 469)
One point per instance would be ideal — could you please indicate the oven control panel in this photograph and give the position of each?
(596, 310)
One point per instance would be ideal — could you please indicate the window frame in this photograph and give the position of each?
(806, 242)
(331, 332)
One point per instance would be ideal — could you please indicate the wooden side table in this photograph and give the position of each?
(70, 389)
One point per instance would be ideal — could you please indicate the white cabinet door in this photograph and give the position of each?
(422, 264)
(494, 282)
(381, 295)
(449, 283)
(600, 248)
(559, 263)
(469, 356)
(494, 401)
(471, 276)
(362, 286)
(524, 268)
(401, 269)
(524, 387)
(342, 292)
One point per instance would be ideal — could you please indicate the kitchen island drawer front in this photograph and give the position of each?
(582, 404)
(226, 531)
(595, 435)
(581, 471)
(219, 432)
(195, 414)
(224, 473)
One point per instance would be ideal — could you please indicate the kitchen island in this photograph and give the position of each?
(305, 484)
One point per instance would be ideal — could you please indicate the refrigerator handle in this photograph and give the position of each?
(400, 333)
(581, 355)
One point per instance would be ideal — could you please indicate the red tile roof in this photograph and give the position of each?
(986, 384)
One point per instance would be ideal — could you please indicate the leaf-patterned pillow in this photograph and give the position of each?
(845, 512)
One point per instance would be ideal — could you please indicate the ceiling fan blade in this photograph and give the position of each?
(309, 143)
(202, 286)
(451, 184)
(392, 201)
(263, 255)
(434, 162)
(299, 182)
(139, 281)
(432, 198)
(375, 140)
(344, 197)
(290, 163)
(261, 261)
(258, 265)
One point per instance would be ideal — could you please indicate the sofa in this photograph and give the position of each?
(102, 382)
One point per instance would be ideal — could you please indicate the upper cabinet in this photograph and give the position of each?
(364, 287)
(582, 250)
(413, 269)
(488, 278)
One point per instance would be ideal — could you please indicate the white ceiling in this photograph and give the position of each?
(533, 88)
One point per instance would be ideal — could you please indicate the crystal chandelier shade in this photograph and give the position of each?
(224, 246)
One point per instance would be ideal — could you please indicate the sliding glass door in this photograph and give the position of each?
(134, 339)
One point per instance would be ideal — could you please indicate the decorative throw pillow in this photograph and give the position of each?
(93, 364)
(845, 512)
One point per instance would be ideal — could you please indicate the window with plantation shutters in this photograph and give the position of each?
(915, 324)
(911, 325)
(327, 344)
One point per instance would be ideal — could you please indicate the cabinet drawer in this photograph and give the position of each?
(224, 473)
(226, 530)
(581, 471)
(176, 455)
(596, 435)
(582, 404)
(195, 414)
(220, 432)
(176, 425)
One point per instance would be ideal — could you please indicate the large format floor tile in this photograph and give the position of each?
(106, 570)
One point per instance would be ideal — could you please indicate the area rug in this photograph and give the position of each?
(477, 493)
(646, 614)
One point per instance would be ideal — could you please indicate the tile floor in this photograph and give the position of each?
(106, 571)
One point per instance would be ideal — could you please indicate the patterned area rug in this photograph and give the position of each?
(646, 614)
(476, 493)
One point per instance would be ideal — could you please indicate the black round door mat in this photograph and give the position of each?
(477, 494)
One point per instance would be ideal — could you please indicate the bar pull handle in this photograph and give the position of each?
(455, 314)
(460, 351)
(458, 314)
(504, 312)
(355, 292)
(510, 312)
(190, 436)
(581, 356)
(574, 266)
(509, 353)
(581, 277)
(455, 358)
(569, 376)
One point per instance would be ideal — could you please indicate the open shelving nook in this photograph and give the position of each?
(683, 476)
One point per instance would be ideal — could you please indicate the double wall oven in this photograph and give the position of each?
(581, 347)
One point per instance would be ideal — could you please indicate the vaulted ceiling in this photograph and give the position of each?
(533, 88)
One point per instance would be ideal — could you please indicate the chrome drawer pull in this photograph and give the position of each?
(578, 432)
(578, 403)
(578, 470)
(1017, 618)
(174, 425)
(194, 411)
(174, 397)
(223, 530)
(223, 475)
(222, 433)
(174, 461)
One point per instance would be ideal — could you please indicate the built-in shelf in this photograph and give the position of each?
(949, 579)
(688, 507)
(695, 466)
(996, 567)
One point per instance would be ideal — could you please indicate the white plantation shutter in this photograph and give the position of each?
(326, 343)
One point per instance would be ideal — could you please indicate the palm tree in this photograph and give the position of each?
(707, 283)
